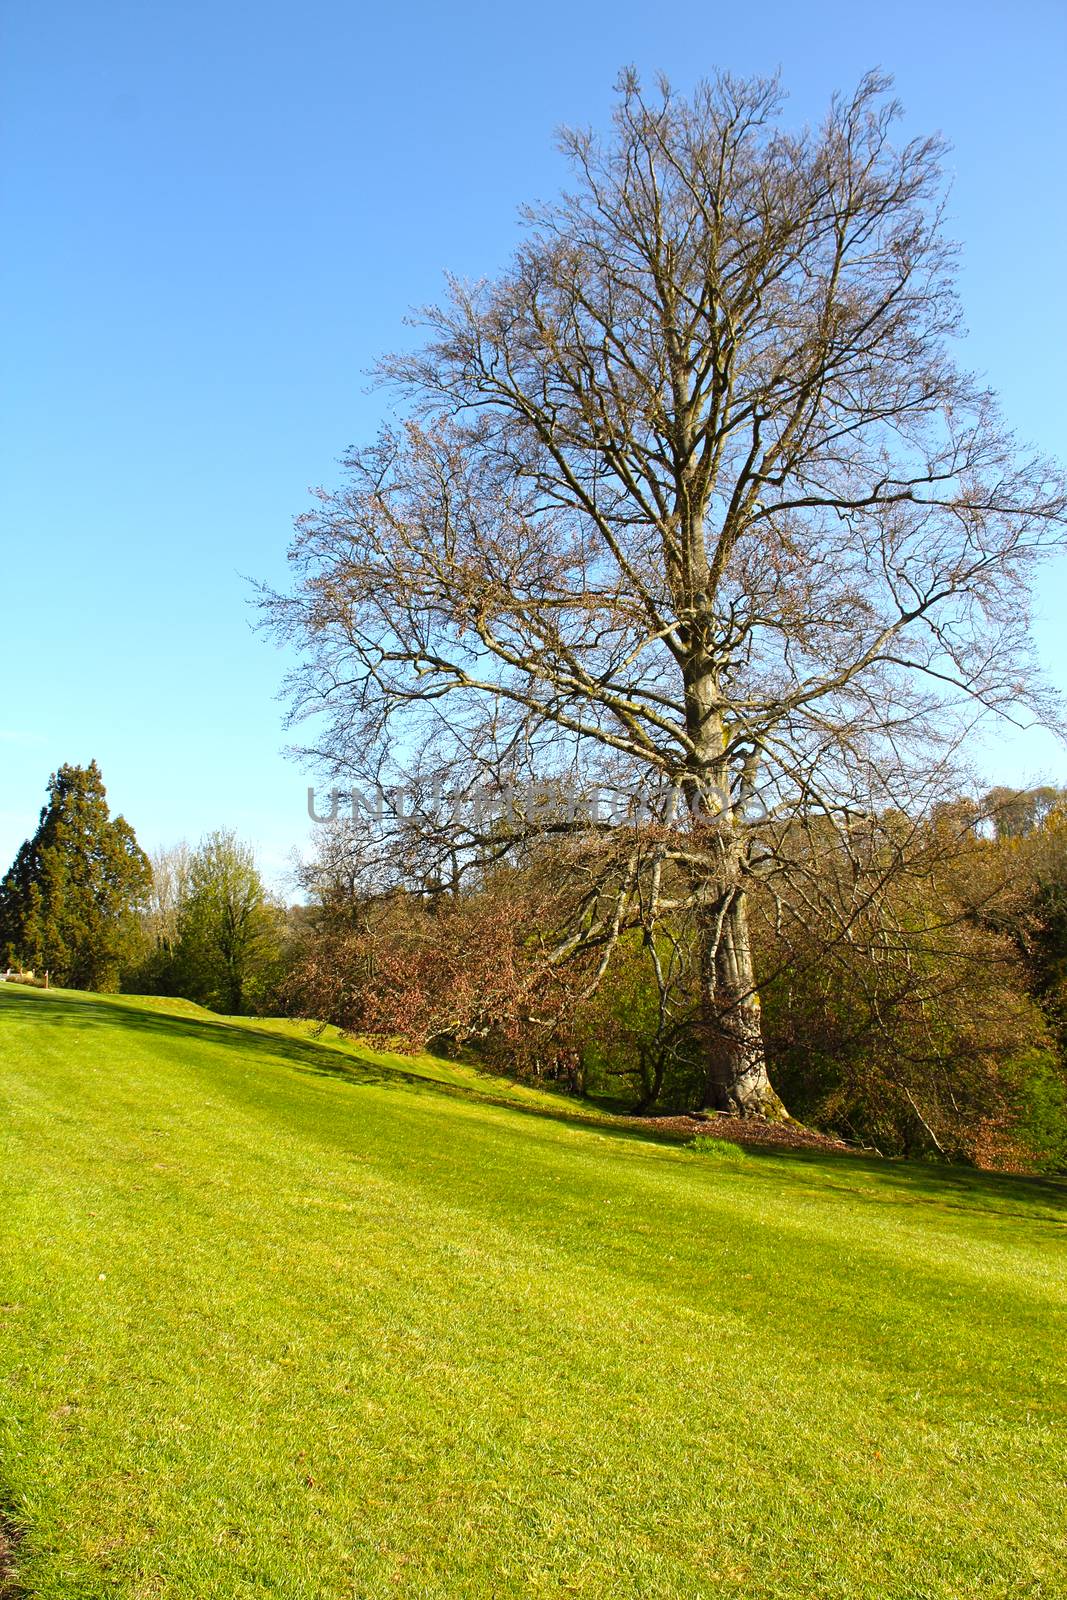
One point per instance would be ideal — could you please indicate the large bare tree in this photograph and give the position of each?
(694, 496)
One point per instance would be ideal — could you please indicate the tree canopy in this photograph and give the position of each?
(226, 935)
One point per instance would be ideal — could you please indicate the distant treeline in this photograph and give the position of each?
(927, 1016)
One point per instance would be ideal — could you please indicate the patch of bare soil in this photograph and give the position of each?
(10, 1588)
(746, 1130)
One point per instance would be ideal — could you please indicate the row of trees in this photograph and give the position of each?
(936, 1022)
(83, 903)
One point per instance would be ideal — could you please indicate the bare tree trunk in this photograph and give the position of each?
(735, 1078)
(652, 1069)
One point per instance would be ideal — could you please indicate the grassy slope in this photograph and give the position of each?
(282, 1320)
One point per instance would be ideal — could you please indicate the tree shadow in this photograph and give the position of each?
(914, 1182)
(322, 1058)
(906, 1182)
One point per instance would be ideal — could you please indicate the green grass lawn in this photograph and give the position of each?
(283, 1317)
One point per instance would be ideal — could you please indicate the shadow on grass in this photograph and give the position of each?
(956, 1188)
(324, 1058)
(908, 1181)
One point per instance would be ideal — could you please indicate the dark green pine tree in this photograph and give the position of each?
(69, 902)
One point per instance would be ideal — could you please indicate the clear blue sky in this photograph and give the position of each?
(215, 216)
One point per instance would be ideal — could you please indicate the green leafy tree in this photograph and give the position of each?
(229, 933)
(69, 904)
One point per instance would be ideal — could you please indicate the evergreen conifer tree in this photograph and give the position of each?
(69, 902)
